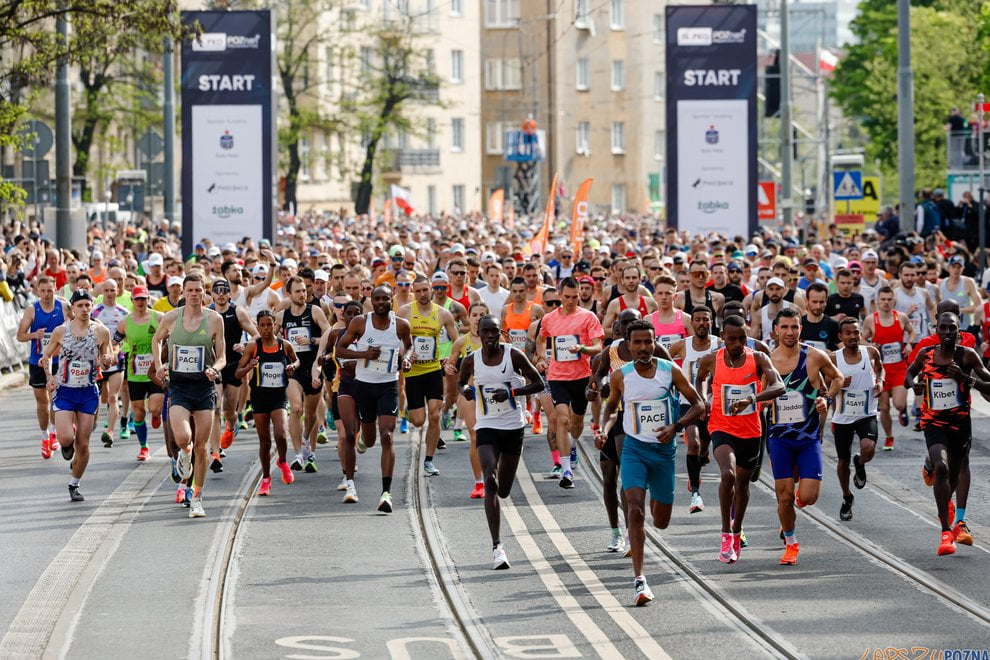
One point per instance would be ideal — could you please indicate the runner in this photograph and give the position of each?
(962, 289)
(501, 375)
(915, 301)
(697, 293)
(773, 303)
(855, 409)
(669, 324)
(737, 374)
(196, 356)
(37, 324)
(517, 316)
(424, 381)
(818, 330)
(465, 345)
(383, 346)
(794, 439)
(551, 301)
(887, 330)
(268, 362)
(110, 314)
(648, 388)
(576, 334)
(943, 375)
(137, 330)
(441, 285)
(630, 296)
(82, 347)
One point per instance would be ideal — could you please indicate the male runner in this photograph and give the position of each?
(845, 302)
(887, 329)
(915, 301)
(762, 326)
(630, 296)
(669, 324)
(697, 294)
(138, 329)
(110, 314)
(737, 375)
(818, 330)
(551, 301)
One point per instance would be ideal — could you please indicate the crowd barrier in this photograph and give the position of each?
(13, 354)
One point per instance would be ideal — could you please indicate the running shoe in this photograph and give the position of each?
(947, 546)
(143, 454)
(130, 422)
(331, 422)
(743, 541)
(697, 504)
(903, 418)
(642, 593)
(175, 472)
(499, 561)
(106, 439)
(46, 449)
(846, 510)
(180, 495)
(737, 545)
(961, 533)
(555, 472)
(297, 462)
(242, 424)
(343, 484)
(628, 551)
(441, 444)
(215, 465)
(187, 497)
(350, 497)
(361, 447)
(429, 469)
(459, 435)
(53, 441)
(266, 487)
(321, 436)
(616, 543)
(184, 464)
(223, 454)
(196, 508)
(888, 444)
(917, 427)
(727, 554)
(125, 433)
(574, 458)
(403, 425)
(478, 492)
(859, 479)
(226, 438)
(75, 495)
(567, 479)
(156, 421)
(287, 476)
(927, 473)
(70, 451)
(445, 420)
(537, 423)
(310, 465)
(952, 511)
(385, 502)
(789, 558)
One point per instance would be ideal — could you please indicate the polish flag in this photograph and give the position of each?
(827, 61)
(403, 199)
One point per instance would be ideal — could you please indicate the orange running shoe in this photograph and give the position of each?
(537, 423)
(789, 558)
(928, 476)
(156, 421)
(46, 449)
(960, 532)
(226, 438)
(797, 499)
(287, 476)
(266, 487)
(478, 492)
(947, 545)
(952, 512)
(143, 454)
(180, 495)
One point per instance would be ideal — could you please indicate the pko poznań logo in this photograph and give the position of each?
(227, 211)
(226, 140)
(712, 206)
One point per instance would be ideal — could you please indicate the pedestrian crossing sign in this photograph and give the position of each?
(847, 185)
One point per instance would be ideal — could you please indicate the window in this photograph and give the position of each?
(328, 68)
(581, 12)
(431, 62)
(503, 74)
(618, 197)
(457, 66)
(431, 133)
(304, 158)
(657, 29)
(457, 134)
(658, 144)
(658, 85)
(618, 15)
(501, 13)
(431, 200)
(365, 59)
(457, 194)
(455, 8)
(493, 138)
(583, 145)
(493, 73)
(618, 137)
(618, 75)
(365, 4)
(582, 74)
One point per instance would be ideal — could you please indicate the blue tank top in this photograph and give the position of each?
(47, 321)
(793, 416)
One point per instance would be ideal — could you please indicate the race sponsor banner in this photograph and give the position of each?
(579, 215)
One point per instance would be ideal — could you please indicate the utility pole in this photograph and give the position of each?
(63, 176)
(905, 116)
(982, 188)
(786, 132)
(169, 130)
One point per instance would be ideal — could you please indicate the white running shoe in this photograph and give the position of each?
(697, 504)
(196, 508)
(499, 560)
(429, 469)
(184, 464)
(643, 594)
(628, 552)
(361, 447)
(343, 484)
(385, 502)
(616, 545)
(350, 497)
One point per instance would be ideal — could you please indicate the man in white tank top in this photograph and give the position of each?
(962, 289)
(913, 300)
(873, 278)
(763, 322)
(855, 408)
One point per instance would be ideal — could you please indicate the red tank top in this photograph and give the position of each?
(887, 335)
(643, 309)
(730, 384)
(464, 300)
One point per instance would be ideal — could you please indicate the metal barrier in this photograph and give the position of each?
(13, 354)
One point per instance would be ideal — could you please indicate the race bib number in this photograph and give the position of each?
(142, 364)
(47, 339)
(294, 335)
(79, 373)
(424, 349)
(915, 321)
(668, 340)
(649, 417)
(790, 408)
(891, 353)
(385, 364)
(188, 359)
(561, 348)
(817, 344)
(943, 394)
(854, 403)
(444, 335)
(518, 339)
(272, 375)
(733, 393)
(489, 406)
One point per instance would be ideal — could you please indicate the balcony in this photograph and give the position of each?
(427, 91)
(411, 160)
(963, 150)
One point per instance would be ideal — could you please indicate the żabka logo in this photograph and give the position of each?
(712, 206)
(226, 211)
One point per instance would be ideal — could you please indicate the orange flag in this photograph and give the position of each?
(388, 212)
(579, 215)
(496, 204)
(510, 220)
(539, 242)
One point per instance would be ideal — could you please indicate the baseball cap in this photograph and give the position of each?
(734, 266)
(854, 265)
(172, 281)
(321, 275)
(220, 285)
(199, 246)
(775, 280)
(213, 252)
(96, 255)
(396, 251)
(586, 279)
(440, 276)
(956, 259)
(457, 247)
(290, 263)
(156, 259)
(140, 291)
(810, 261)
(488, 256)
(230, 247)
(868, 255)
(377, 261)
(751, 250)
(80, 294)
(260, 269)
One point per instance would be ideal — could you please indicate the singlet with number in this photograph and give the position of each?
(731, 384)
(945, 404)
(190, 351)
(517, 325)
(649, 404)
(425, 331)
(296, 326)
(793, 415)
(110, 317)
(668, 333)
(139, 337)
(502, 415)
(78, 363)
(445, 344)
(386, 368)
(46, 321)
(919, 318)
(889, 340)
(269, 373)
(693, 356)
(859, 399)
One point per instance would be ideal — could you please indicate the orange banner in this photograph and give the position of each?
(539, 242)
(510, 216)
(579, 216)
(496, 204)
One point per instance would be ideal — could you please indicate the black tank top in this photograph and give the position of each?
(232, 332)
(709, 303)
(294, 326)
(269, 377)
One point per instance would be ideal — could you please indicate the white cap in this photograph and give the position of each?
(173, 280)
(260, 269)
(97, 254)
(155, 259)
(230, 247)
(488, 256)
(214, 251)
(776, 280)
(869, 254)
(457, 247)
(290, 263)
(321, 275)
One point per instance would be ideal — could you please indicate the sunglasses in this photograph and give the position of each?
(259, 277)
(458, 273)
(654, 268)
(221, 291)
(398, 258)
(440, 288)
(599, 279)
(339, 305)
(367, 288)
(553, 303)
(404, 284)
(699, 273)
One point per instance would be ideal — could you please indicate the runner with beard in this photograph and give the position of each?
(887, 329)
(762, 324)
(551, 301)
(630, 296)
(818, 330)
(696, 293)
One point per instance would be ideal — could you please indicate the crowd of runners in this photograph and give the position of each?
(348, 333)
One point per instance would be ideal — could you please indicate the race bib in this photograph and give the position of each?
(915, 321)
(294, 335)
(668, 340)
(142, 364)
(79, 373)
(47, 339)
(385, 364)
(424, 349)
(649, 417)
(561, 346)
(489, 406)
(444, 335)
(943, 394)
(272, 375)
(732, 393)
(891, 353)
(854, 403)
(518, 339)
(790, 408)
(188, 359)
(817, 344)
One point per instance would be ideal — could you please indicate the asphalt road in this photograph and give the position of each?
(301, 575)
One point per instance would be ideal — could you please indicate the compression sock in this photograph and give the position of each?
(790, 538)
(141, 429)
(565, 463)
(555, 457)
(386, 484)
(960, 514)
(694, 472)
